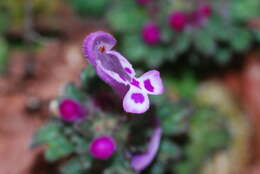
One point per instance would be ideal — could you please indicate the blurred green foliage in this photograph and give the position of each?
(16, 11)
(216, 40)
(89, 7)
(3, 55)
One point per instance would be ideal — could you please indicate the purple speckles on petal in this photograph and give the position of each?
(138, 97)
(128, 70)
(122, 77)
(148, 85)
(135, 83)
(151, 82)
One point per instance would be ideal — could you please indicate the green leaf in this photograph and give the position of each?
(186, 85)
(89, 79)
(208, 133)
(241, 40)
(215, 28)
(243, 10)
(184, 167)
(87, 74)
(134, 48)
(154, 57)
(182, 43)
(47, 133)
(257, 36)
(87, 7)
(81, 143)
(168, 151)
(4, 21)
(126, 17)
(3, 55)
(177, 122)
(72, 91)
(223, 56)
(157, 169)
(120, 166)
(77, 165)
(58, 148)
(166, 34)
(205, 43)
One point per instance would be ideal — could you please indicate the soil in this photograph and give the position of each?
(34, 78)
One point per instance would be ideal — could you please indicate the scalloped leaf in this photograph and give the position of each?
(87, 7)
(126, 17)
(58, 148)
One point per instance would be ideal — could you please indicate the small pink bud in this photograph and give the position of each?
(151, 34)
(205, 10)
(143, 2)
(70, 110)
(102, 147)
(178, 20)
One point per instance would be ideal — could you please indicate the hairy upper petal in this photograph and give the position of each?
(97, 42)
(127, 67)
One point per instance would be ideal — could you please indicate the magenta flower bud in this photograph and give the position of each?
(151, 33)
(70, 110)
(102, 147)
(200, 16)
(178, 20)
(205, 10)
(143, 2)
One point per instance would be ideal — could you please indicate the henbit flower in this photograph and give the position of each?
(178, 20)
(200, 15)
(116, 71)
(71, 110)
(151, 34)
(141, 161)
(102, 147)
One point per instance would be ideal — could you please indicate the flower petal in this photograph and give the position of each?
(119, 87)
(141, 161)
(136, 101)
(96, 42)
(128, 68)
(110, 74)
(152, 82)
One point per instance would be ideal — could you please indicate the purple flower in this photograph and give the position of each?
(116, 71)
(141, 161)
(143, 2)
(102, 147)
(178, 20)
(71, 110)
(151, 33)
(201, 15)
